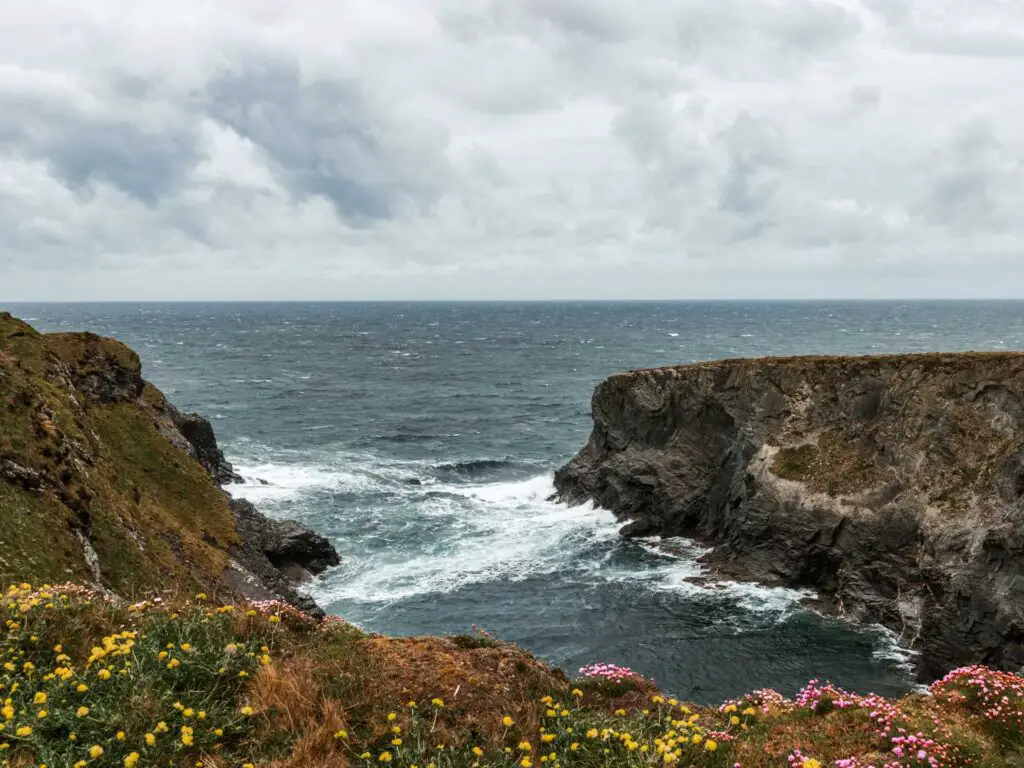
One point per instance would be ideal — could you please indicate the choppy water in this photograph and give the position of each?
(422, 438)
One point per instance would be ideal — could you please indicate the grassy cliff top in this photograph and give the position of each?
(191, 682)
(91, 487)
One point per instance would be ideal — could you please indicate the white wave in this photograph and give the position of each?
(889, 649)
(685, 575)
(510, 532)
(272, 483)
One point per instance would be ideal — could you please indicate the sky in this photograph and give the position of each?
(511, 149)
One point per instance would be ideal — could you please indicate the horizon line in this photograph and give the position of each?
(859, 300)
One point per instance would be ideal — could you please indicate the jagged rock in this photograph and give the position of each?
(281, 553)
(102, 369)
(892, 485)
(198, 433)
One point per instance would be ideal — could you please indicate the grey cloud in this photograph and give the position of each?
(756, 156)
(431, 148)
(329, 138)
(111, 145)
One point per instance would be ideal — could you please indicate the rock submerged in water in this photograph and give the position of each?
(892, 485)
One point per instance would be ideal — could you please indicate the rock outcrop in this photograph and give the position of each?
(202, 445)
(892, 485)
(280, 554)
(103, 480)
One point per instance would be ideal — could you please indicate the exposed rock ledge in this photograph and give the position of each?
(892, 485)
(274, 556)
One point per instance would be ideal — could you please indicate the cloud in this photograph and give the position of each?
(523, 148)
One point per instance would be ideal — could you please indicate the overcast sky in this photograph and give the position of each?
(344, 149)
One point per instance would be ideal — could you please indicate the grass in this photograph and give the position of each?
(795, 463)
(104, 473)
(88, 682)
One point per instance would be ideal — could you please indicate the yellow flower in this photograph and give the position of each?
(150, 739)
(131, 760)
(620, 712)
(42, 713)
(39, 698)
(119, 735)
(82, 688)
(218, 732)
(592, 733)
(734, 720)
(103, 674)
(392, 717)
(81, 712)
(23, 731)
(247, 711)
(710, 745)
(507, 721)
(95, 751)
(577, 693)
(547, 738)
(525, 746)
(478, 752)
(385, 757)
(201, 596)
(811, 763)
(397, 742)
(343, 734)
(277, 620)
(439, 703)
(186, 736)
(526, 763)
(574, 746)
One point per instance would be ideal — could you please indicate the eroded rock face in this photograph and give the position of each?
(892, 485)
(280, 554)
(202, 443)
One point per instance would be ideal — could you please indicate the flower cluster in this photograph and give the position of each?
(996, 697)
(166, 686)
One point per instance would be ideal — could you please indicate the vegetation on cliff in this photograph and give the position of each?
(101, 479)
(86, 681)
(88, 485)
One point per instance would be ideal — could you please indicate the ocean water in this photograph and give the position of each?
(421, 437)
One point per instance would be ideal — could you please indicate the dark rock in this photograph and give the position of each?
(891, 485)
(280, 554)
(27, 478)
(199, 434)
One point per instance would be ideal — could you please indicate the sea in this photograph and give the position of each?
(422, 437)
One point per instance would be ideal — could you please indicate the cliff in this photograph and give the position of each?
(892, 485)
(102, 480)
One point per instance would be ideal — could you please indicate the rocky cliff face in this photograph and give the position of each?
(892, 485)
(101, 479)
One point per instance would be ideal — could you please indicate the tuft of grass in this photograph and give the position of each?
(795, 463)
